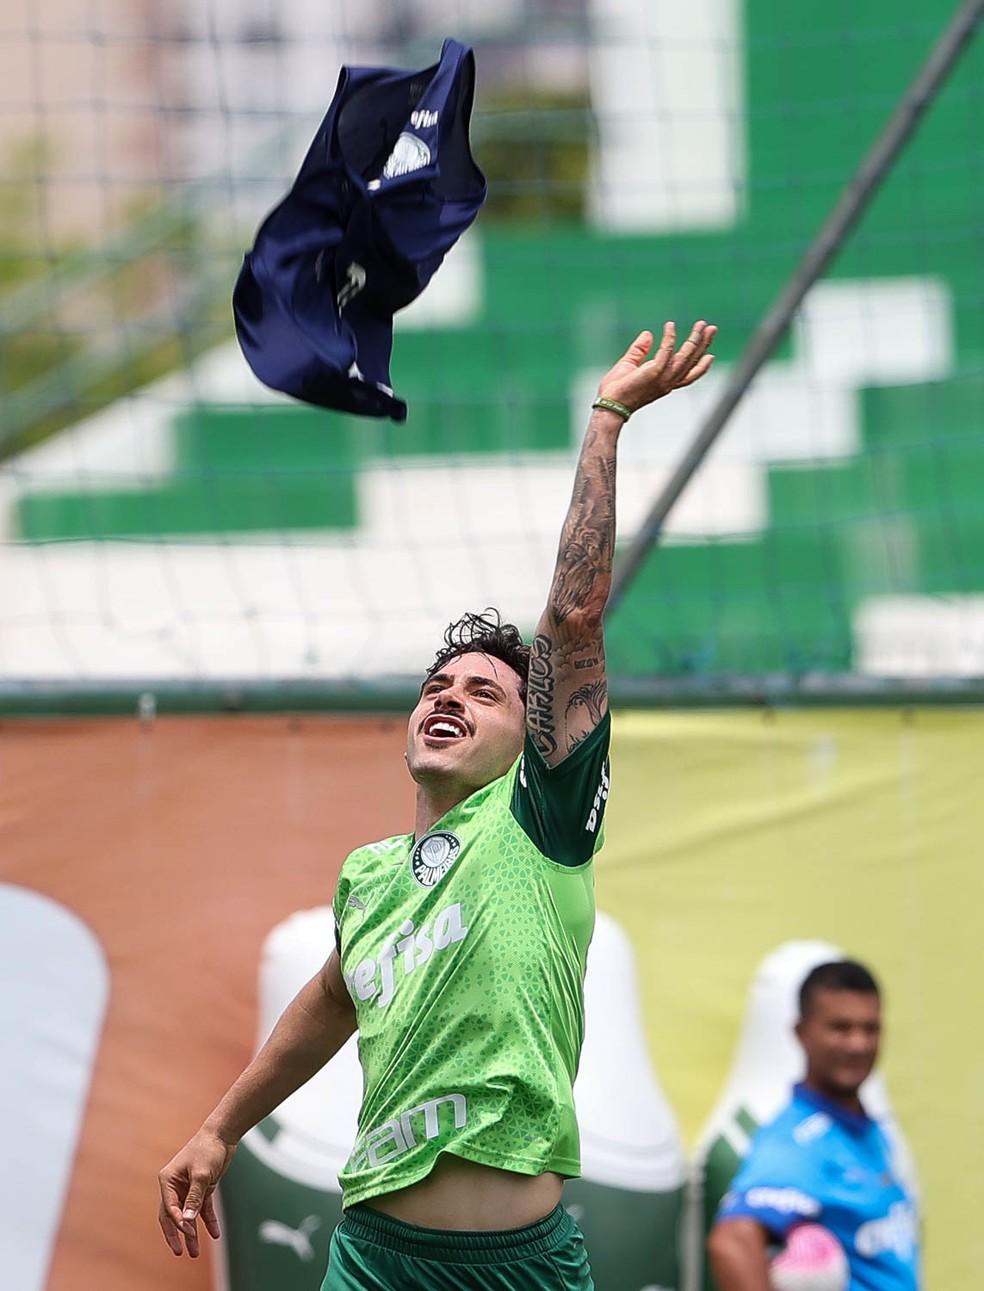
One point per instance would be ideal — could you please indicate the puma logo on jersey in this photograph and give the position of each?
(403, 954)
(601, 797)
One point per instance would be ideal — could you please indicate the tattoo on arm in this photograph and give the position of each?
(540, 697)
(587, 543)
(559, 713)
(593, 697)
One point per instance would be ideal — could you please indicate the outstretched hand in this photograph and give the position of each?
(637, 381)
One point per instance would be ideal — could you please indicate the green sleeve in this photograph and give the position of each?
(338, 905)
(562, 809)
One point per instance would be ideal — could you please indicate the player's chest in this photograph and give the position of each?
(416, 914)
(859, 1179)
(403, 908)
(414, 878)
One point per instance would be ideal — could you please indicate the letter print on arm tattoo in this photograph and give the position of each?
(540, 697)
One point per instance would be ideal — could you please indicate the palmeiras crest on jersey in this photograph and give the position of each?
(433, 856)
(409, 154)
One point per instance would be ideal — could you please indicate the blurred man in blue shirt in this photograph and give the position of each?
(824, 1160)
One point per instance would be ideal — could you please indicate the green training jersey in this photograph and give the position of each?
(464, 953)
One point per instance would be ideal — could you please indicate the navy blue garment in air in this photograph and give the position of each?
(386, 189)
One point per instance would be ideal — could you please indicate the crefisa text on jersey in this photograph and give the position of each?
(378, 977)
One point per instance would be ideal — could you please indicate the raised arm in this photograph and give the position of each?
(312, 1028)
(567, 693)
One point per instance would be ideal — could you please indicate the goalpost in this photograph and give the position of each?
(171, 530)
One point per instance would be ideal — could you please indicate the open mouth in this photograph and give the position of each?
(441, 726)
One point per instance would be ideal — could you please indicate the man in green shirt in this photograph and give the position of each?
(461, 946)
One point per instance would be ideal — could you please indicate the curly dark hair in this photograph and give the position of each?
(485, 633)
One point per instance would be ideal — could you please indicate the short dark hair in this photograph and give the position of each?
(837, 975)
(485, 633)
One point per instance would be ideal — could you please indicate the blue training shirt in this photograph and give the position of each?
(386, 189)
(818, 1163)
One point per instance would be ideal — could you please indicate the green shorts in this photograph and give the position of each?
(372, 1252)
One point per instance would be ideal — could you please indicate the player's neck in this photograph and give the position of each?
(433, 802)
(849, 1101)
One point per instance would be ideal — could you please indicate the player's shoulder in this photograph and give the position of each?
(583, 775)
(788, 1147)
(368, 856)
(796, 1122)
(804, 1121)
(774, 1176)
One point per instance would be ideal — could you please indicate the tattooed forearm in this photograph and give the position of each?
(566, 694)
(587, 544)
(540, 719)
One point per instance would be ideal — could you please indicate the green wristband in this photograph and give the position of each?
(613, 405)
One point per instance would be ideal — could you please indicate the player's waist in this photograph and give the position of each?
(465, 1196)
(475, 1247)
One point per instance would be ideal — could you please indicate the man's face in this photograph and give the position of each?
(840, 1036)
(467, 728)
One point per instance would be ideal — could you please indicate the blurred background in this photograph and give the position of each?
(163, 516)
(175, 538)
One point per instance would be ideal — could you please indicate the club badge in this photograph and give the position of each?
(409, 154)
(433, 856)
